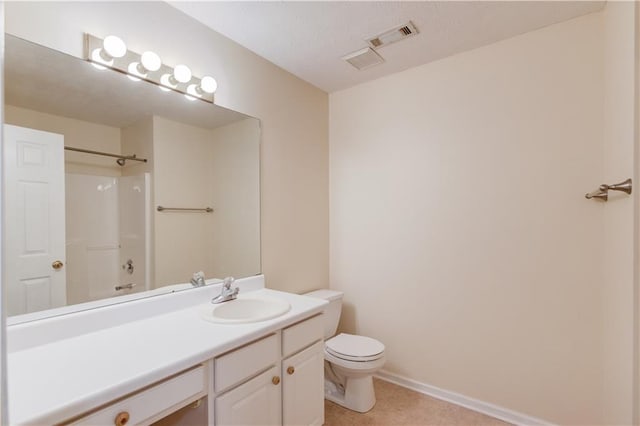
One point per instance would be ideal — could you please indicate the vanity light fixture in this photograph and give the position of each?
(112, 47)
(181, 74)
(112, 53)
(208, 85)
(149, 61)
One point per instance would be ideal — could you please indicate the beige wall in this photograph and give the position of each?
(197, 167)
(234, 182)
(77, 134)
(180, 179)
(459, 229)
(294, 114)
(618, 290)
(137, 139)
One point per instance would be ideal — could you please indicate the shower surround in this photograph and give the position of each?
(106, 227)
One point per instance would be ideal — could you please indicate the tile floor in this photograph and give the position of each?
(398, 406)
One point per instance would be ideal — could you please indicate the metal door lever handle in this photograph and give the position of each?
(624, 186)
(602, 193)
(598, 195)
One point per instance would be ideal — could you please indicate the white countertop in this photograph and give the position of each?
(54, 381)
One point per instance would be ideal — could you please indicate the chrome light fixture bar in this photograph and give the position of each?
(111, 52)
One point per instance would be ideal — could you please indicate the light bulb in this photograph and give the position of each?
(194, 90)
(136, 69)
(98, 56)
(150, 61)
(114, 46)
(208, 84)
(189, 97)
(182, 73)
(168, 81)
(96, 60)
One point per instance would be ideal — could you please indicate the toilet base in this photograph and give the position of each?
(358, 394)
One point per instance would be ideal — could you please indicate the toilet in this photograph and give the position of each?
(350, 360)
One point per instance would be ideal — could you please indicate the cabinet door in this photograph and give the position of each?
(256, 402)
(303, 387)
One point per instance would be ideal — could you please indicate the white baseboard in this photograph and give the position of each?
(501, 413)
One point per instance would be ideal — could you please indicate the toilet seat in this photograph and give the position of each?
(350, 347)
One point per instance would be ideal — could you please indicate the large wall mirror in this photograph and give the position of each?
(82, 226)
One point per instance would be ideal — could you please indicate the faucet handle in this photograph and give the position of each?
(227, 282)
(198, 279)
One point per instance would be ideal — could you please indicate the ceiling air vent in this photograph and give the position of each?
(393, 35)
(363, 58)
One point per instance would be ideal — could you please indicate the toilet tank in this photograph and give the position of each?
(331, 311)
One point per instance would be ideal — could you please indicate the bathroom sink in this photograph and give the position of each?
(245, 309)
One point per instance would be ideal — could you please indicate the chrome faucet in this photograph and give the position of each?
(227, 292)
(198, 279)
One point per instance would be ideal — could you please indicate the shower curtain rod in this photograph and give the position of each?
(106, 154)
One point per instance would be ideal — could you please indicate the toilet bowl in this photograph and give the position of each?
(353, 360)
(350, 360)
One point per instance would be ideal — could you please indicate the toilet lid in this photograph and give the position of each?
(354, 348)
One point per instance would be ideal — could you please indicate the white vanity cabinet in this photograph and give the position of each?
(247, 384)
(187, 371)
(153, 403)
(277, 380)
(256, 402)
(303, 387)
(303, 373)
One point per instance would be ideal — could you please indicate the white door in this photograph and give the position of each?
(34, 220)
(256, 402)
(303, 387)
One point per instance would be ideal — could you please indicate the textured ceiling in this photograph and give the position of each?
(309, 38)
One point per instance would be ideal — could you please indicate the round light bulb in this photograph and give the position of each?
(165, 80)
(182, 73)
(208, 84)
(136, 69)
(150, 61)
(114, 46)
(192, 90)
(97, 59)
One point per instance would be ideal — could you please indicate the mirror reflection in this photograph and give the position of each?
(84, 226)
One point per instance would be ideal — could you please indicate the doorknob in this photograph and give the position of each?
(57, 265)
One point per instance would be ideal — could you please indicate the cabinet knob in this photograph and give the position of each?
(291, 370)
(275, 380)
(122, 418)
